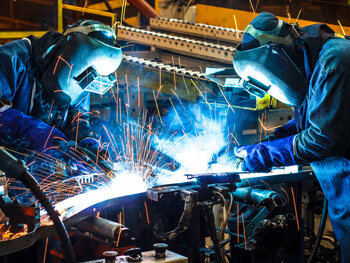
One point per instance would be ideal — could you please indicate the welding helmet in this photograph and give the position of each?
(270, 61)
(86, 61)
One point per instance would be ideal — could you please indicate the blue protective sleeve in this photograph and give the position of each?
(16, 74)
(327, 116)
(35, 133)
(286, 130)
(265, 155)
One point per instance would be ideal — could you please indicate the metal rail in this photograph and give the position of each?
(197, 29)
(187, 46)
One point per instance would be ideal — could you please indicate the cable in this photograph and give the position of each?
(320, 230)
(14, 168)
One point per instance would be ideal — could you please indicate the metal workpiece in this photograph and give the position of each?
(198, 29)
(103, 228)
(255, 195)
(186, 46)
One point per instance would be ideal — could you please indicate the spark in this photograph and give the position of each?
(84, 8)
(295, 208)
(229, 104)
(296, 21)
(200, 93)
(251, 5)
(155, 100)
(341, 27)
(285, 193)
(146, 212)
(245, 239)
(237, 34)
(47, 239)
(266, 184)
(189, 2)
(47, 139)
(172, 57)
(120, 229)
(48, 117)
(237, 223)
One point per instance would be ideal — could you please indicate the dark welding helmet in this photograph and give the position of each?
(269, 61)
(86, 62)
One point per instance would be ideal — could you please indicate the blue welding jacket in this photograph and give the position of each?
(20, 70)
(323, 126)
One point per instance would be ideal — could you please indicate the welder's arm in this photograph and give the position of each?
(286, 130)
(329, 111)
(265, 155)
(33, 133)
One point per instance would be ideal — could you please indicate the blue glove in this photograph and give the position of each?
(33, 133)
(265, 155)
(286, 130)
(94, 146)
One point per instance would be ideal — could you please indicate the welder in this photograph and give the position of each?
(45, 85)
(307, 68)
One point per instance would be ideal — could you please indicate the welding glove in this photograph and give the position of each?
(265, 155)
(33, 134)
(94, 146)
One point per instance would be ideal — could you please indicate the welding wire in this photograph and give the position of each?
(237, 223)
(245, 239)
(295, 208)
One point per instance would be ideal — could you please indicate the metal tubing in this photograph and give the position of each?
(253, 194)
(101, 227)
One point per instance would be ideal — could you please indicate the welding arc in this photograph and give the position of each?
(14, 168)
(92, 157)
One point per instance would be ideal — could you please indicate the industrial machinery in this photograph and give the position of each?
(169, 124)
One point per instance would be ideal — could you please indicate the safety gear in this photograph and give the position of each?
(85, 62)
(286, 130)
(33, 133)
(269, 68)
(265, 155)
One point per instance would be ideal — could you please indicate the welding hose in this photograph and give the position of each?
(320, 231)
(14, 168)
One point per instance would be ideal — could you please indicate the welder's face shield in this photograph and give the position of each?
(268, 69)
(85, 64)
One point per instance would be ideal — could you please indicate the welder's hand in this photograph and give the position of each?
(265, 155)
(94, 146)
(35, 134)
